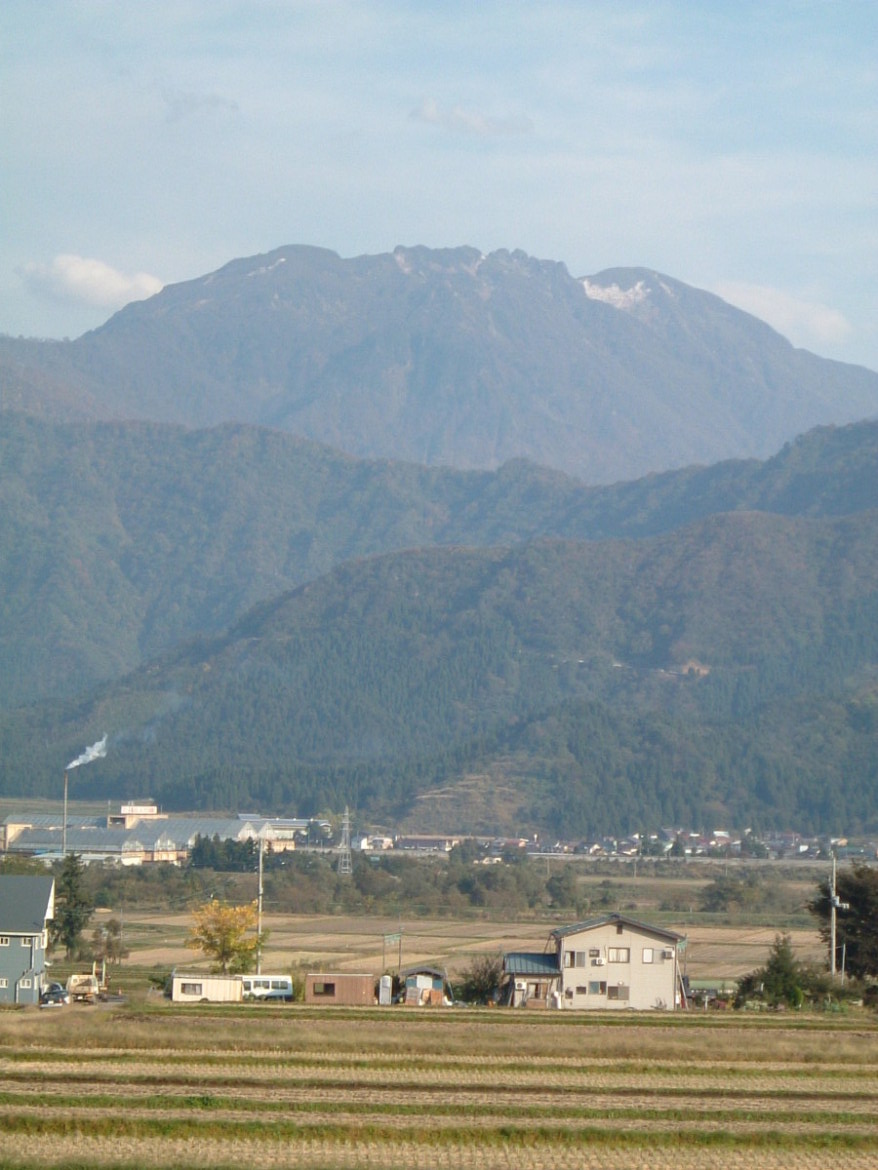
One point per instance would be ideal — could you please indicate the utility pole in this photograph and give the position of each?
(832, 944)
(259, 910)
(835, 904)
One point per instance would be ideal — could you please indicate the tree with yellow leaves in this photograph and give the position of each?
(222, 933)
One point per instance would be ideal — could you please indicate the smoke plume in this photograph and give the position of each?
(97, 751)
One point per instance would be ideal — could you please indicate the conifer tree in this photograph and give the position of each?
(856, 919)
(73, 906)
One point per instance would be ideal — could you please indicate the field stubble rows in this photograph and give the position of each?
(354, 943)
(289, 1087)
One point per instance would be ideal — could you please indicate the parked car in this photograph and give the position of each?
(54, 995)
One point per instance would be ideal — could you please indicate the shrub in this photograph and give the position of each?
(480, 982)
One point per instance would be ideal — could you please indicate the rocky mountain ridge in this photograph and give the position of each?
(453, 358)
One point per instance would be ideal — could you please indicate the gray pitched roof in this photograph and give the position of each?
(25, 903)
(53, 820)
(605, 919)
(92, 836)
(184, 830)
(79, 840)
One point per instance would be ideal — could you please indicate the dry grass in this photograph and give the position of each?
(162, 1086)
(349, 943)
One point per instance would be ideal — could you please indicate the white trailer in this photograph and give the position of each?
(206, 988)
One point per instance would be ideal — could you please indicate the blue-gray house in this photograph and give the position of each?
(26, 906)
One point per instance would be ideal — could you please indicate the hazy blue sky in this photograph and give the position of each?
(731, 145)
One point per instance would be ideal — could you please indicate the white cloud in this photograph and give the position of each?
(461, 121)
(185, 103)
(804, 322)
(83, 281)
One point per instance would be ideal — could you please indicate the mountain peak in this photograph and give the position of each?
(456, 357)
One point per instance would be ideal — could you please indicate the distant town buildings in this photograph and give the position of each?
(139, 833)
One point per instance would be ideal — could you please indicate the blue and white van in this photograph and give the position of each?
(267, 987)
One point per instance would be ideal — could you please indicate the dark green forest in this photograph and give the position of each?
(722, 672)
(478, 639)
(120, 540)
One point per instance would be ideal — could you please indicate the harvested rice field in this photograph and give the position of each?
(354, 943)
(157, 1085)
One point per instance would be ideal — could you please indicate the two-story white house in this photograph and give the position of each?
(608, 962)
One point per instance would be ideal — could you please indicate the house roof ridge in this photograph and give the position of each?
(605, 919)
(26, 901)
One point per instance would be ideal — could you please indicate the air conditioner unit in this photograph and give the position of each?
(667, 954)
(597, 962)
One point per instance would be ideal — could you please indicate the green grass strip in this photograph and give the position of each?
(424, 1112)
(720, 1094)
(438, 1064)
(119, 1127)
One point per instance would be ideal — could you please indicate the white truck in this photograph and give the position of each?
(83, 988)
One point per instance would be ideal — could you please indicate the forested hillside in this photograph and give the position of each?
(118, 540)
(725, 669)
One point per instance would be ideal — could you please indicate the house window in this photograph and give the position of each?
(191, 988)
(26, 940)
(4, 940)
(327, 989)
(597, 988)
(619, 928)
(575, 959)
(620, 992)
(648, 955)
(26, 981)
(619, 954)
(4, 982)
(582, 991)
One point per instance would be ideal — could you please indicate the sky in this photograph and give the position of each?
(733, 146)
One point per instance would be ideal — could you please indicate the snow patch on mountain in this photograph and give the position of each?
(267, 267)
(612, 294)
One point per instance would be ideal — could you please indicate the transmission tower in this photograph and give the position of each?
(345, 865)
